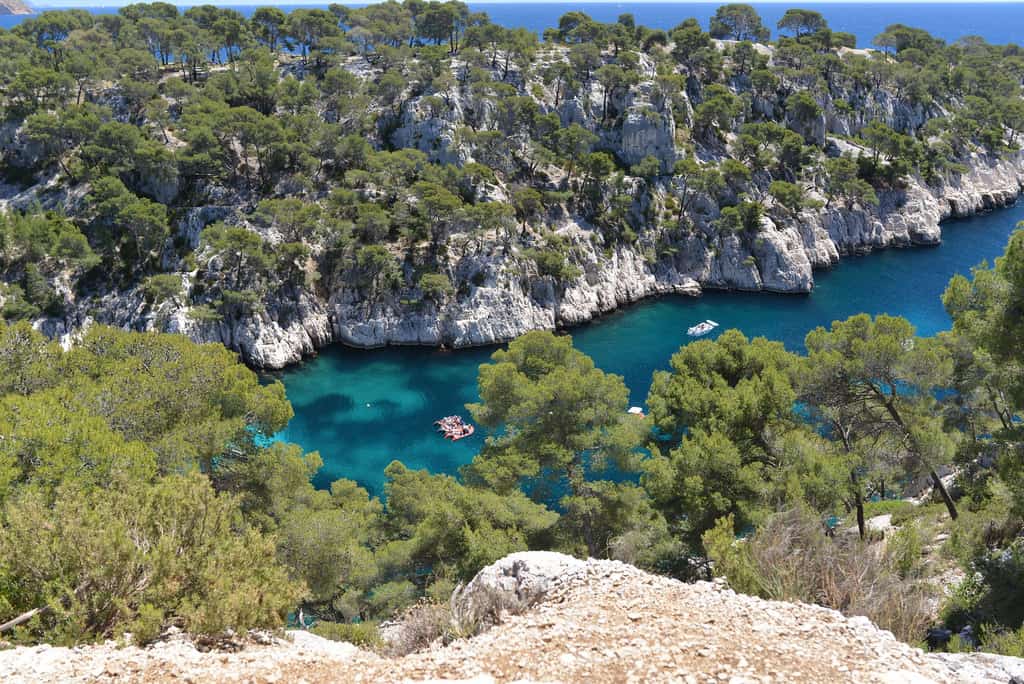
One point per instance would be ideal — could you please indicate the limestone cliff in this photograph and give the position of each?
(498, 291)
(505, 297)
(15, 7)
(564, 620)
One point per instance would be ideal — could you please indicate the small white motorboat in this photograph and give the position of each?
(702, 328)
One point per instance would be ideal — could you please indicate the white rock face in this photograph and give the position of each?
(500, 294)
(578, 621)
(781, 258)
(519, 579)
(504, 296)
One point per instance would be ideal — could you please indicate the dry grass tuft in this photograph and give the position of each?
(790, 559)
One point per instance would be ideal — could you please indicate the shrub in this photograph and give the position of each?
(418, 627)
(1004, 643)
(364, 634)
(732, 558)
(886, 507)
(788, 195)
(554, 263)
(16, 306)
(159, 288)
(791, 559)
(961, 605)
(1002, 572)
(147, 625)
(436, 286)
(905, 548)
(137, 556)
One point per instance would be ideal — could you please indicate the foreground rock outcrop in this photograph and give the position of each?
(593, 621)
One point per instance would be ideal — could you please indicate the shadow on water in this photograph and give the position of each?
(361, 409)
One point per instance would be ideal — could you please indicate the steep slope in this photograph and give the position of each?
(595, 621)
(497, 288)
(14, 7)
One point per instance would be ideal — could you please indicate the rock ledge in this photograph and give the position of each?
(593, 621)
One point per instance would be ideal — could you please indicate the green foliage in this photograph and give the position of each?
(731, 557)
(170, 546)
(162, 287)
(790, 559)
(554, 262)
(436, 286)
(802, 106)
(905, 547)
(38, 238)
(738, 22)
(554, 416)
(745, 216)
(888, 507)
(252, 135)
(716, 114)
(802, 22)
(789, 195)
(886, 389)
(843, 182)
(453, 530)
(317, 193)
(362, 634)
(649, 167)
(130, 227)
(724, 415)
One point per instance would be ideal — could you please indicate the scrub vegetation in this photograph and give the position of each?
(139, 484)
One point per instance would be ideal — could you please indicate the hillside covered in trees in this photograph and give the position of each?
(237, 180)
(412, 173)
(139, 489)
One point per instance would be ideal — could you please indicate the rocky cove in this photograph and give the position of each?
(364, 204)
(505, 305)
(498, 291)
(296, 323)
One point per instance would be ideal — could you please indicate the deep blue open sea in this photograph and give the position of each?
(997, 22)
(362, 409)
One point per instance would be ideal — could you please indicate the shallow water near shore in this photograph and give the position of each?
(361, 409)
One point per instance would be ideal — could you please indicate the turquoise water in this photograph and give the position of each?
(363, 409)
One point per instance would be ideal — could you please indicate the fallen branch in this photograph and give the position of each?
(23, 618)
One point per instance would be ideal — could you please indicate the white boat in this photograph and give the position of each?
(702, 328)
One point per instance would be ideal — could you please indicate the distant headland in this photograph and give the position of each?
(14, 7)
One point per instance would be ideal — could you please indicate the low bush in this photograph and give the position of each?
(363, 634)
(418, 627)
(887, 507)
(791, 559)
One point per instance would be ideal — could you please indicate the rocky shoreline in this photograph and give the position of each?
(296, 324)
(498, 292)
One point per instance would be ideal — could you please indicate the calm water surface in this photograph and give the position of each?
(363, 409)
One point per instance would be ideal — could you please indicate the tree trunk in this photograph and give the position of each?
(858, 502)
(860, 515)
(946, 498)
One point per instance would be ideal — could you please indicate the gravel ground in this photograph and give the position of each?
(600, 622)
